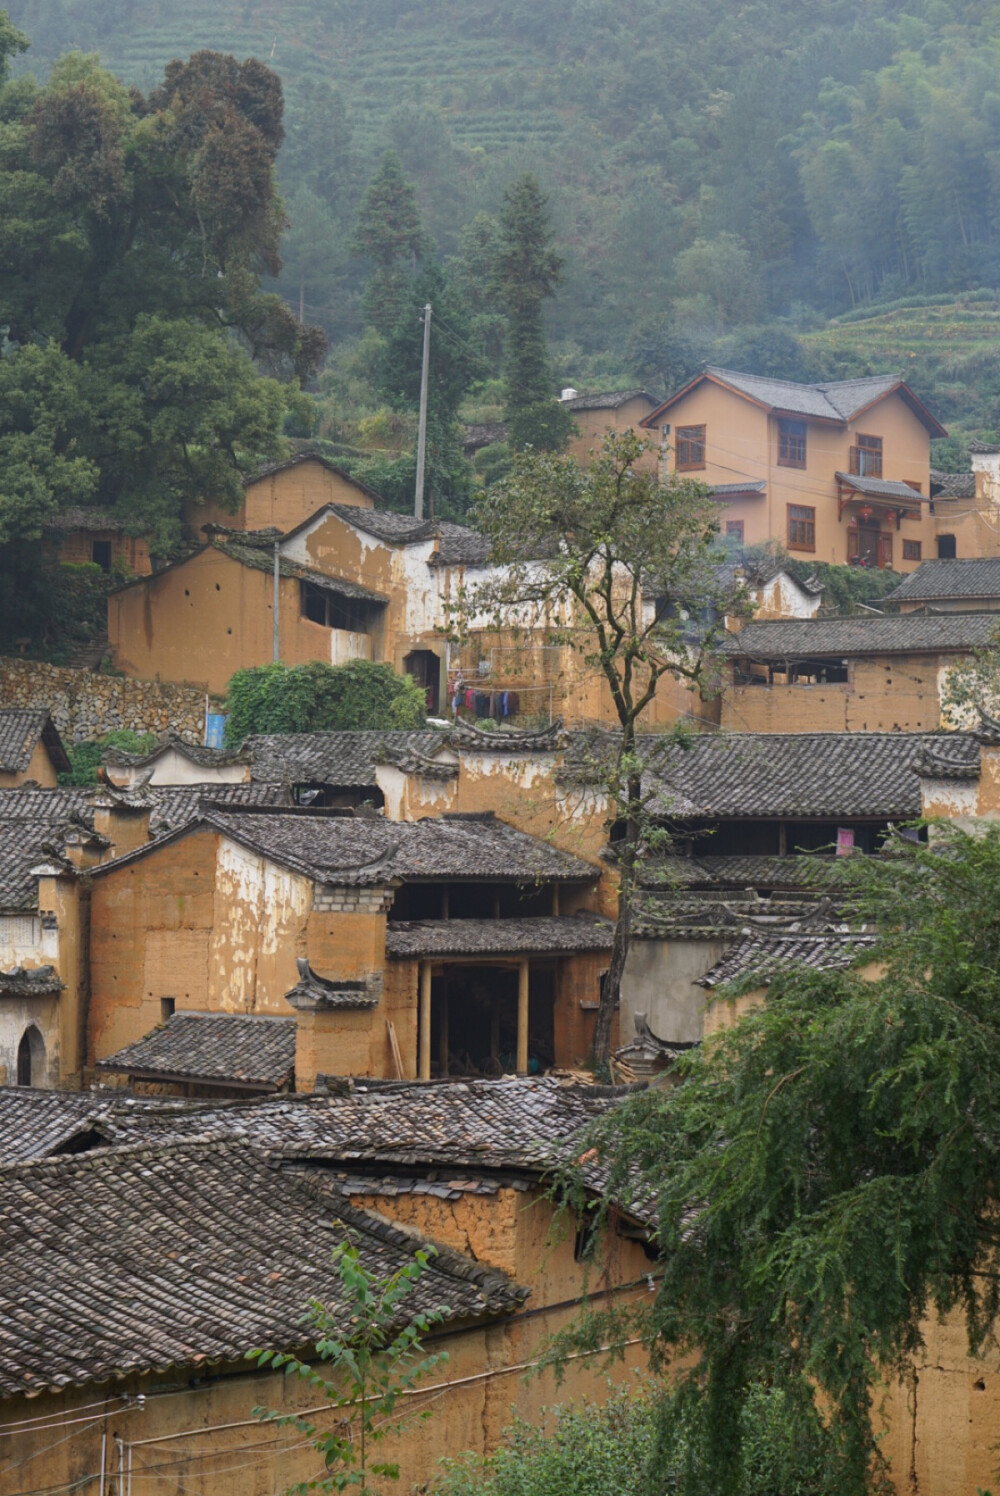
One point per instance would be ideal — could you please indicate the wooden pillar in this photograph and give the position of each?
(424, 1024)
(522, 1016)
(443, 1023)
(555, 898)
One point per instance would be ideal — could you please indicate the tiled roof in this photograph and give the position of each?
(81, 518)
(793, 872)
(977, 578)
(261, 558)
(24, 804)
(34, 981)
(702, 913)
(486, 1124)
(347, 850)
(308, 454)
(732, 490)
(953, 485)
(195, 753)
(457, 544)
(24, 844)
(882, 488)
(225, 1047)
(174, 805)
(20, 732)
(983, 449)
(764, 956)
(457, 937)
(479, 434)
(130, 1260)
(34, 1123)
(347, 760)
(895, 633)
(798, 775)
(608, 400)
(313, 992)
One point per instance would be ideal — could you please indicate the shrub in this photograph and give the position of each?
(85, 758)
(321, 698)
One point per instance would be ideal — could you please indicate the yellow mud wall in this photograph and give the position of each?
(197, 623)
(281, 500)
(593, 425)
(40, 769)
(578, 990)
(898, 693)
(68, 901)
(150, 933)
(260, 914)
(741, 442)
(76, 547)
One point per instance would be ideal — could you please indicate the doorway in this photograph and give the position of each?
(424, 666)
(31, 1058)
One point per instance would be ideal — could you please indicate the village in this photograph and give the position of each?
(259, 996)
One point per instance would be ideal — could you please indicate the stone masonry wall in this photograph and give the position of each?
(86, 706)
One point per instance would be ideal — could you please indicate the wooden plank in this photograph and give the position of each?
(397, 1058)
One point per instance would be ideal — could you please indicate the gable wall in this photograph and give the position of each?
(282, 500)
(897, 693)
(592, 425)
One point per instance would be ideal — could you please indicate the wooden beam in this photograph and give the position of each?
(424, 1024)
(523, 972)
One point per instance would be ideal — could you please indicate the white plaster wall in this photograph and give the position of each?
(345, 645)
(784, 597)
(172, 767)
(949, 797)
(659, 981)
(16, 1016)
(23, 942)
(257, 907)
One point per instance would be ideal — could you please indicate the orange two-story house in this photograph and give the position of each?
(839, 472)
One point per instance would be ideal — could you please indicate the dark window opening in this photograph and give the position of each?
(474, 1020)
(321, 796)
(734, 530)
(31, 1058)
(333, 610)
(471, 901)
(793, 673)
(946, 548)
(425, 668)
(100, 554)
(168, 1006)
(587, 1233)
(792, 444)
(911, 550)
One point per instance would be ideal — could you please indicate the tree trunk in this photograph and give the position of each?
(611, 990)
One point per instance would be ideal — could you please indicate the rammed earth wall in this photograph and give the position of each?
(86, 706)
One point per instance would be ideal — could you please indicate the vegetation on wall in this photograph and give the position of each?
(321, 698)
(86, 758)
(825, 1177)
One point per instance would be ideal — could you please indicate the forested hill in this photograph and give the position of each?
(713, 165)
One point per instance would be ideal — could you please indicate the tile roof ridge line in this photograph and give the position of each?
(73, 1162)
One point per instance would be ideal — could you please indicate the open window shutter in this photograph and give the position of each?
(852, 543)
(885, 550)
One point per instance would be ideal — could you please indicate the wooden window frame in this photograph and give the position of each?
(791, 443)
(866, 456)
(735, 528)
(690, 448)
(912, 550)
(806, 516)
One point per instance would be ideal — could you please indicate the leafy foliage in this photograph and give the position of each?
(972, 687)
(134, 232)
(373, 1363)
(86, 758)
(621, 568)
(826, 1176)
(321, 698)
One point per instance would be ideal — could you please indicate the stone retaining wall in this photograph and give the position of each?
(86, 706)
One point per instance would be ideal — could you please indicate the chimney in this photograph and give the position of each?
(122, 815)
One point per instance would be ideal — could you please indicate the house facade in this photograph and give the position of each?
(838, 472)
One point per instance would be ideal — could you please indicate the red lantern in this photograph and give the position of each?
(866, 511)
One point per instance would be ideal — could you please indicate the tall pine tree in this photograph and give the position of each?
(390, 235)
(527, 273)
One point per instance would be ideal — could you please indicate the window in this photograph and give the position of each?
(333, 610)
(866, 457)
(734, 530)
(168, 1007)
(100, 554)
(690, 447)
(911, 550)
(792, 444)
(801, 527)
(946, 548)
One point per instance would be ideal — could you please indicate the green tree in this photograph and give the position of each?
(389, 235)
(134, 233)
(612, 563)
(374, 1355)
(527, 272)
(321, 698)
(86, 758)
(825, 1178)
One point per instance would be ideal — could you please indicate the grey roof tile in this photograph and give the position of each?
(970, 580)
(139, 1259)
(536, 935)
(24, 844)
(837, 401)
(195, 753)
(798, 775)
(730, 490)
(883, 488)
(895, 633)
(347, 760)
(20, 732)
(608, 400)
(225, 1047)
(953, 485)
(762, 957)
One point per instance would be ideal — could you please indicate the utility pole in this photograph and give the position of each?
(418, 503)
(277, 584)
